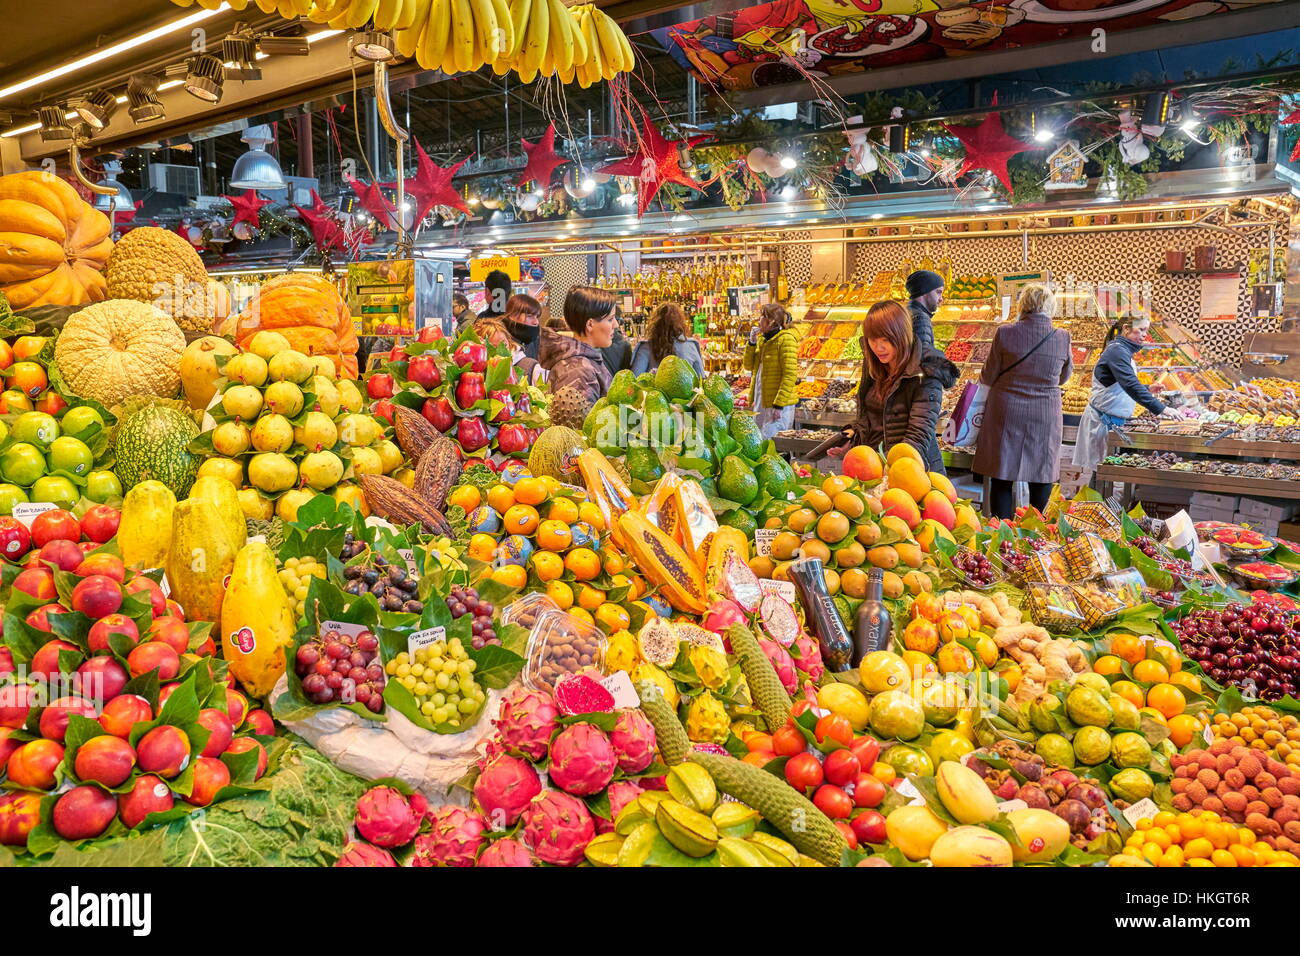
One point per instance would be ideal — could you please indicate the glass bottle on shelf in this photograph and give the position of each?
(873, 627)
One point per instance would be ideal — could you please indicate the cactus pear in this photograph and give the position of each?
(504, 789)
(558, 828)
(582, 760)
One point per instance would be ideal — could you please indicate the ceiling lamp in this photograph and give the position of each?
(239, 50)
(205, 77)
(54, 123)
(142, 97)
(257, 169)
(123, 200)
(97, 109)
(373, 45)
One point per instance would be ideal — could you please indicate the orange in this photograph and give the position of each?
(1130, 691)
(554, 535)
(511, 575)
(520, 519)
(1223, 858)
(1168, 655)
(466, 496)
(591, 514)
(1150, 672)
(548, 565)
(563, 509)
(613, 561)
(1105, 665)
(638, 587)
(612, 618)
(500, 497)
(1167, 699)
(590, 598)
(561, 594)
(482, 546)
(583, 562)
(581, 615)
(1186, 679)
(1182, 728)
(552, 485)
(530, 491)
(757, 740)
(759, 758)
(1127, 646)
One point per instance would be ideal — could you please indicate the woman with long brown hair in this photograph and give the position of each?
(901, 394)
(666, 335)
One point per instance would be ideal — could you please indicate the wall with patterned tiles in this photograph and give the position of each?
(562, 273)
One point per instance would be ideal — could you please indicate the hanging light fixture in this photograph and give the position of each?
(123, 200)
(54, 123)
(239, 50)
(373, 45)
(142, 98)
(257, 169)
(205, 78)
(97, 109)
(1042, 133)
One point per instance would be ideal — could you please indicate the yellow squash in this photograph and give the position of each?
(256, 622)
(145, 533)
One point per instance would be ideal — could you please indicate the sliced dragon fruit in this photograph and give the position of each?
(707, 748)
(697, 636)
(779, 620)
(579, 694)
(740, 583)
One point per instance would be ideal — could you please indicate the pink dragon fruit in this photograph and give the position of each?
(781, 663)
(620, 795)
(740, 583)
(722, 614)
(778, 619)
(580, 694)
(582, 760)
(419, 805)
(504, 789)
(456, 838)
(633, 738)
(495, 747)
(558, 828)
(526, 722)
(506, 853)
(363, 854)
(654, 783)
(809, 659)
(385, 817)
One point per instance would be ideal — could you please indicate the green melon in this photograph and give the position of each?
(556, 452)
(152, 443)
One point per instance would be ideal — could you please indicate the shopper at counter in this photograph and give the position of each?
(901, 394)
(460, 310)
(618, 354)
(493, 331)
(665, 336)
(1020, 438)
(575, 360)
(773, 356)
(925, 292)
(521, 320)
(496, 289)
(1116, 392)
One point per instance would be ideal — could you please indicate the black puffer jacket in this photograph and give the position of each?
(574, 364)
(911, 412)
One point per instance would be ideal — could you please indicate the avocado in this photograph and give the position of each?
(719, 393)
(676, 378)
(745, 431)
(736, 481)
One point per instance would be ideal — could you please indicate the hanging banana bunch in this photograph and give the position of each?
(609, 52)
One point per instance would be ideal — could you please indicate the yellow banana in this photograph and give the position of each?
(527, 74)
(408, 38)
(462, 35)
(561, 42)
(629, 56)
(210, 4)
(386, 13)
(409, 15)
(535, 42)
(360, 12)
(266, 6)
(566, 76)
(501, 66)
(547, 66)
(486, 39)
(519, 12)
(434, 39)
(611, 50)
(505, 30)
(597, 59)
(301, 7)
(580, 52)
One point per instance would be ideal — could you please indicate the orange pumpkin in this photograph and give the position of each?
(53, 244)
(307, 310)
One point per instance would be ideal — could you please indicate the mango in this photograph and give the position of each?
(897, 503)
(970, 846)
(909, 476)
(914, 830)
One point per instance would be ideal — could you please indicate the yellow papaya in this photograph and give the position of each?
(256, 622)
(145, 533)
(663, 562)
(200, 558)
(696, 517)
(223, 496)
(608, 490)
(722, 543)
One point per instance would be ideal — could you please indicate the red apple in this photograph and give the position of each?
(15, 702)
(63, 554)
(123, 712)
(165, 750)
(210, 775)
(157, 599)
(869, 825)
(236, 707)
(423, 371)
(54, 524)
(109, 625)
(429, 333)
(109, 565)
(154, 655)
(33, 764)
(147, 795)
(100, 522)
(15, 539)
(20, 813)
(54, 718)
(260, 722)
(8, 744)
(221, 731)
(384, 409)
(380, 385)
(6, 658)
(104, 759)
(171, 632)
(97, 596)
(244, 744)
(174, 609)
(40, 618)
(38, 582)
(45, 662)
(101, 678)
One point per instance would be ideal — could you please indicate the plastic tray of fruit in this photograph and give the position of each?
(975, 570)
(561, 644)
(1264, 575)
(1086, 557)
(1243, 544)
(1097, 604)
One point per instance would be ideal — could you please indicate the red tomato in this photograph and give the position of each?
(846, 831)
(842, 767)
(869, 825)
(833, 802)
(788, 741)
(868, 791)
(803, 772)
(867, 750)
(835, 727)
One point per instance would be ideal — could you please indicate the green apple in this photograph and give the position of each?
(10, 495)
(57, 489)
(82, 422)
(101, 486)
(70, 455)
(22, 464)
(36, 428)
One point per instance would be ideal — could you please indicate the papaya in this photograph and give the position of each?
(145, 533)
(663, 562)
(725, 541)
(661, 506)
(607, 489)
(256, 621)
(200, 557)
(697, 520)
(223, 496)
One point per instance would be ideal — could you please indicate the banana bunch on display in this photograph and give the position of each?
(609, 50)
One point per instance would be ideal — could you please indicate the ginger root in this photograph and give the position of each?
(1041, 658)
(994, 609)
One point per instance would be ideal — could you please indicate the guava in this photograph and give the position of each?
(1130, 750)
(1055, 749)
(1087, 708)
(1131, 785)
(1091, 745)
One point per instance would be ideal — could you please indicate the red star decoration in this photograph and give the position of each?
(247, 208)
(657, 162)
(1291, 118)
(988, 147)
(1295, 152)
(542, 159)
(431, 185)
(373, 200)
(121, 216)
(322, 223)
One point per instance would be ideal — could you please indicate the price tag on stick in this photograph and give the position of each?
(27, 511)
(424, 638)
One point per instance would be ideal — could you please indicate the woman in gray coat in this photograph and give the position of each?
(665, 336)
(1020, 437)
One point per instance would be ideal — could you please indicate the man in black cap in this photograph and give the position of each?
(925, 289)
